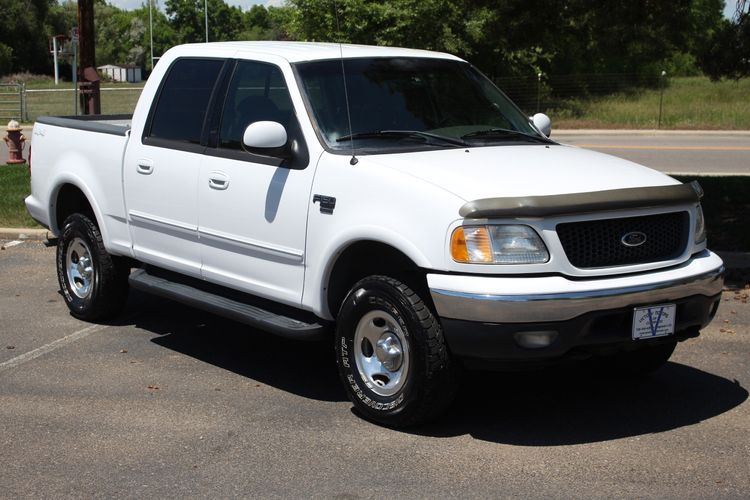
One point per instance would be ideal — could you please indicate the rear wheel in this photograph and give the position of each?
(93, 282)
(391, 354)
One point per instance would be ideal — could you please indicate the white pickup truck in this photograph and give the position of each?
(393, 200)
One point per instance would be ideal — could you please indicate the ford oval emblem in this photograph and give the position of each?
(633, 239)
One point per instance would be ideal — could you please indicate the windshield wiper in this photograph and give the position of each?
(390, 134)
(503, 133)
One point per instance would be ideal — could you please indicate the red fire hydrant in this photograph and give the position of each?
(15, 141)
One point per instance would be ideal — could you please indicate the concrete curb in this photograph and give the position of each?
(20, 233)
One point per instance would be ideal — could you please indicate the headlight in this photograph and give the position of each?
(700, 226)
(506, 244)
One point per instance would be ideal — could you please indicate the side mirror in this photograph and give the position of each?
(543, 123)
(266, 138)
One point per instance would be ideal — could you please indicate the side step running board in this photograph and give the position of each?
(243, 312)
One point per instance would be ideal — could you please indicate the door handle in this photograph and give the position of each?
(145, 167)
(219, 182)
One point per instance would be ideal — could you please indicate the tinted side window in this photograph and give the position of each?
(183, 100)
(257, 92)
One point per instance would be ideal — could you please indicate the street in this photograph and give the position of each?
(674, 152)
(173, 402)
(713, 153)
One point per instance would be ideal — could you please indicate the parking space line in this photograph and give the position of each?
(40, 351)
(13, 243)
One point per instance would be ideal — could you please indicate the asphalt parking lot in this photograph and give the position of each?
(173, 402)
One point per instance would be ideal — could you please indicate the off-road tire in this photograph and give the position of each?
(431, 378)
(107, 289)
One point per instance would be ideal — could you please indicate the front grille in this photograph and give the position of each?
(599, 243)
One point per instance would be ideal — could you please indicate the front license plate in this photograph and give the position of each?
(654, 321)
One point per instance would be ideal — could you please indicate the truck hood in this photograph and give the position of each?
(509, 171)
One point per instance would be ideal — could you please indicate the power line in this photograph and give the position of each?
(740, 9)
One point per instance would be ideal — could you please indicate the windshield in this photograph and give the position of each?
(410, 103)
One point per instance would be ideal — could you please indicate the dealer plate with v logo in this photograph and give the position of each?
(654, 321)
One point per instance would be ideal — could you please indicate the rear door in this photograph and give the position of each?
(161, 168)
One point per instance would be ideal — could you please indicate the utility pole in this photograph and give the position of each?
(74, 50)
(88, 77)
(538, 91)
(151, 31)
(54, 57)
(661, 97)
(739, 10)
(205, 12)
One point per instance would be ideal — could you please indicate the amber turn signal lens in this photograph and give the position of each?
(471, 245)
(458, 246)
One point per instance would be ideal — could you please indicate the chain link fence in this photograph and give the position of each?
(564, 97)
(12, 99)
(115, 100)
(544, 93)
(20, 103)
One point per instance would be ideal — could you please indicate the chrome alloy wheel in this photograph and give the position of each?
(381, 353)
(80, 268)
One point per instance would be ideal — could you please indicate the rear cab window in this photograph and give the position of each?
(178, 114)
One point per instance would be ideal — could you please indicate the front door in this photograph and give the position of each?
(253, 218)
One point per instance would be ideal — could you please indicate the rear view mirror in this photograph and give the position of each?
(264, 135)
(543, 123)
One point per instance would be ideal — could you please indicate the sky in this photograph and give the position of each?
(729, 5)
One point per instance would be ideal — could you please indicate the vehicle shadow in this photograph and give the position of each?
(307, 369)
(553, 407)
(564, 406)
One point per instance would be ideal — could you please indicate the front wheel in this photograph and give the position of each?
(391, 354)
(93, 282)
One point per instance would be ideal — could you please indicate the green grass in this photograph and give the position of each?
(45, 99)
(689, 103)
(14, 187)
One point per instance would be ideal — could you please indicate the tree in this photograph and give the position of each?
(187, 17)
(164, 36)
(521, 37)
(501, 37)
(261, 23)
(23, 43)
(728, 53)
(123, 36)
(428, 24)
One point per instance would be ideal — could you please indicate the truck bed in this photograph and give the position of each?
(103, 124)
(84, 154)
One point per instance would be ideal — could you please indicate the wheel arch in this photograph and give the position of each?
(368, 257)
(69, 199)
(70, 196)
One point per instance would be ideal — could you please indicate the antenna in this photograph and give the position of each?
(354, 159)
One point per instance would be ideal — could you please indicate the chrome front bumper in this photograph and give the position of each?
(465, 302)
